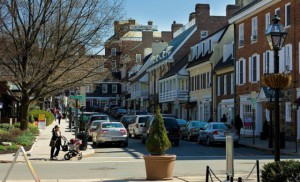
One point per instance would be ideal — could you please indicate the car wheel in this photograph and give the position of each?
(208, 141)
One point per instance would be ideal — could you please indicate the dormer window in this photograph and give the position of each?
(203, 34)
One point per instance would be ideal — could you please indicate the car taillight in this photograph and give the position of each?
(215, 133)
(137, 125)
(123, 131)
(104, 131)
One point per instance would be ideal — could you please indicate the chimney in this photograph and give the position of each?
(150, 22)
(175, 26)
(192, 16)
(202, 13)
(116, 25)
(230, 9)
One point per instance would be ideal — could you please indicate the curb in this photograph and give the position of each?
(266, 149)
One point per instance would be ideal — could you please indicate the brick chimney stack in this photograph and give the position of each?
(192, 16)
(230, 9)
(202, 13)
(175, 26)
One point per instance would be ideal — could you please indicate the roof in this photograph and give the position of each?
(199, 60)
(246, 7)
(222, 64)
(176, 67)
(176, 42)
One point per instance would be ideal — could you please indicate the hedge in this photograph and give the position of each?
(35, 115)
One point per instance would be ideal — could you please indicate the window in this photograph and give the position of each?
(114, 88)
(206, 111)
(204, 34)
(288, 111)
(241, 35)
(225, 85)
(268, 62)
(219, 85)
(113, 51)
(287, 15)
(232, 84)
(254, 75)
(254, 29)
(268, 20)
(138, 58)
(288, 57)
(277, 12)
(241, 72)
(104, 88)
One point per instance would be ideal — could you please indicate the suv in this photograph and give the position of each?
(172, 127)
(136, 125)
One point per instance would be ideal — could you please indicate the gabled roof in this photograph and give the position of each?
(222, 64)
(246, 7)
(175, 43)
(177, 67)
(199, 60)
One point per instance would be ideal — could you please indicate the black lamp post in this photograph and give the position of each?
(295, 108)
(276, 35)
(271, 92)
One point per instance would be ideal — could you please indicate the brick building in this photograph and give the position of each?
(254, 59)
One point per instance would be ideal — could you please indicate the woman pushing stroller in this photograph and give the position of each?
(55, 143)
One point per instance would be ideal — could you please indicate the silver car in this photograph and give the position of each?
(110, 132)
(215, 132)
(136, 125)
(94, 127)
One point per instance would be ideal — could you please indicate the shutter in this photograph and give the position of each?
(244, 71)
(250, 70)
(264, 63)
(290, 57)
(258, 67)
(271, 60)
(281, 61)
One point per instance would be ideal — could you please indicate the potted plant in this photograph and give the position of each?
(159, 166)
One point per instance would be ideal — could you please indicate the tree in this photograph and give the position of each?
(44, 44)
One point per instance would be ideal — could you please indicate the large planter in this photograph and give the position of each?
(277, 81)
(159, 167)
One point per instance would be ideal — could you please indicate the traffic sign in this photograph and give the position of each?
(76, 96)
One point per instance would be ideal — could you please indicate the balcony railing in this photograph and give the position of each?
(139, 94)
(181, 95)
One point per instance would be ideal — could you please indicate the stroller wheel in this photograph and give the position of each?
(67, 156)
(79, 156)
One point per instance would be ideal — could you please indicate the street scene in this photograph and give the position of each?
(133, 90)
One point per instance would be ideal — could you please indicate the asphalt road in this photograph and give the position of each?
(113, 162)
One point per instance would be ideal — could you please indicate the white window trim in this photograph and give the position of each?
(285, 15)
(254, 32)
(277, 9)
(232, 83)
(103, 90)
(288, 112)
(238, 82)
(241, 42)
(267, 20)
(288, 52)
(138, 56)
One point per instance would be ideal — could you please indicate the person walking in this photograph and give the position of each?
(59, 116)
(224, 118)
(55, 143)
(238, 124)
(55, 112)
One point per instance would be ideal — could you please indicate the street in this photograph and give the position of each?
(113, 162)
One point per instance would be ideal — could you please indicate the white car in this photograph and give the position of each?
(135, 127)
(94, 127)
(110, 132)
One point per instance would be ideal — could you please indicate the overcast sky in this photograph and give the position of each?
(164, 12)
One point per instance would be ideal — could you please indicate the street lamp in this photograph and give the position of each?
(295, 108)
(276, 35)
(270, 107)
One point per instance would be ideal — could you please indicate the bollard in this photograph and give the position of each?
(257, 170)
(207, 174)
(239, 179)
(231, 179)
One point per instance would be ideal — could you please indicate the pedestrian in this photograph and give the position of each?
(59, 116)
(224, 118)
(238, 124)
(55, 111)
(55, 143)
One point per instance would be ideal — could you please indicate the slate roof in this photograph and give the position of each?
(199, 60)
(176, 67)
(228, 62)
(245, 7)
(176, 42)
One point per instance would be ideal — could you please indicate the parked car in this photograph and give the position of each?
(172, 127)
(136, 125)
(215, 132)
(94, 126)
(181, 122)
(169, 116)
(120, 112)
(138, 112)
(126, 120)
(93, 117)
(191, 129)
(110, 132)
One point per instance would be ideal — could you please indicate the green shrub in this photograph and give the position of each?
(49, 116)
(10, 136)
(158, 142)
(17, 125)
(6, 126)
(33, 129)
(281, 171)
(26, 139)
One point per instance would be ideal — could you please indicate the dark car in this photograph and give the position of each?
(126, 120)
(191, 129)
(120, 112)
(169, 116)
(172, 127)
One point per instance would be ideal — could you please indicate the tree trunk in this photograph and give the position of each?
(24, 112)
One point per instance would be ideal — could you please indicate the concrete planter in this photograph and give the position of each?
(159, 167)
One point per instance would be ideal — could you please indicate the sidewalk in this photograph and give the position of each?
(41, 150)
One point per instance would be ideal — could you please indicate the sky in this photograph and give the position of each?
(164, 12)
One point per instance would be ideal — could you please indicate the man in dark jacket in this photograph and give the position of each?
(238, 124)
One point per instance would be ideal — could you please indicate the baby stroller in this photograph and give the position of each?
(72, 148)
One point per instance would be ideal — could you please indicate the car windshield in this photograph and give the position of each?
(143, 119)
(112, 125)
(181, 121)
(122, 110)
(127, 119)
(99, 118)
(170, 122)
(220, 126)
